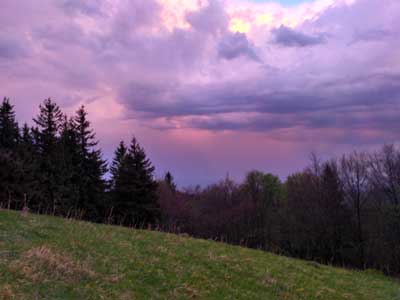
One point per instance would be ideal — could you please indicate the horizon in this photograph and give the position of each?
(211, 88)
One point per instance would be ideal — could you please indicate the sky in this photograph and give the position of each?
(283, 2)
(211, 87)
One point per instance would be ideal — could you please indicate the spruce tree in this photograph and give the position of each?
(145, 185)
(9, 132)
(133, 187)
(9, 180)
(48, 125)
(27, 156)
(85, 135)
(26, 136)
(118, 160)
(46, 137)
(9, 162)
(90, 168)
(68, 155)
(122, 182)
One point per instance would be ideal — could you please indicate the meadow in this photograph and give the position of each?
(45, 257)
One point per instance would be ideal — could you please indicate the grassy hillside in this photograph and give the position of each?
(52, 258)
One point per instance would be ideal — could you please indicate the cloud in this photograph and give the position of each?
(371, 35)
(209, 19)
(324, 72)
(88, 7)
(12, 48)
(240, 107)
(234, 45)
(288, 37)
(132, 16)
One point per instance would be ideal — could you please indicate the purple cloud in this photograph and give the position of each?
(88, 7)
(288, 37)
(235, 45)
(12, 48)
(163, 70)
(209, 19)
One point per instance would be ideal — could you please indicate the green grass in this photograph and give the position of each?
(52, 258)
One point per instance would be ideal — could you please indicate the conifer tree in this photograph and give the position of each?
(169, 180)
(26, 136)
(145, 185)
(8, 180)
(118, 160)
(9, 136)
(9, 132)
(27, 156)
(90, 168)
(48, 122)
(133, 187)
(68, 155)
(46, 137)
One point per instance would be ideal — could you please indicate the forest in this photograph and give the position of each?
(344, 211)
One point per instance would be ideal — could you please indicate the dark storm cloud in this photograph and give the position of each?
(172, 101)
(288, 37)
(261, 123)
(348, 106)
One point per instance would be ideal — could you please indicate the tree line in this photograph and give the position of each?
(55, 167)
(343, 211)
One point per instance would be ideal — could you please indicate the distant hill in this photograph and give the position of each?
(45, 257)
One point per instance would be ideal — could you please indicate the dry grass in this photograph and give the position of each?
(269, 280)
(127, 296)
(187, 291)
(42, 263)
(6, 292)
